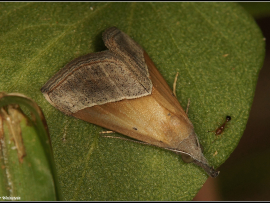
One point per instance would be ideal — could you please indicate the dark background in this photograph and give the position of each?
(245, 176)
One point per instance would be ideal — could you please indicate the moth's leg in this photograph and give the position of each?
(174, 91)
(106, 132)
(188, 106)
(122, 138)
(174, 84)
(186, 157)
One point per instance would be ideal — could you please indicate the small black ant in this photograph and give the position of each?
(220, 129)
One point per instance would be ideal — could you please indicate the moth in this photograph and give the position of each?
(121, 89)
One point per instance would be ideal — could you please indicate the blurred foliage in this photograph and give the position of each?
(257, 9)
(27, 168)
(248, 178)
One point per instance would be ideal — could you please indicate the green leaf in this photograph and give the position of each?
(27, 166)
(217, 48)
